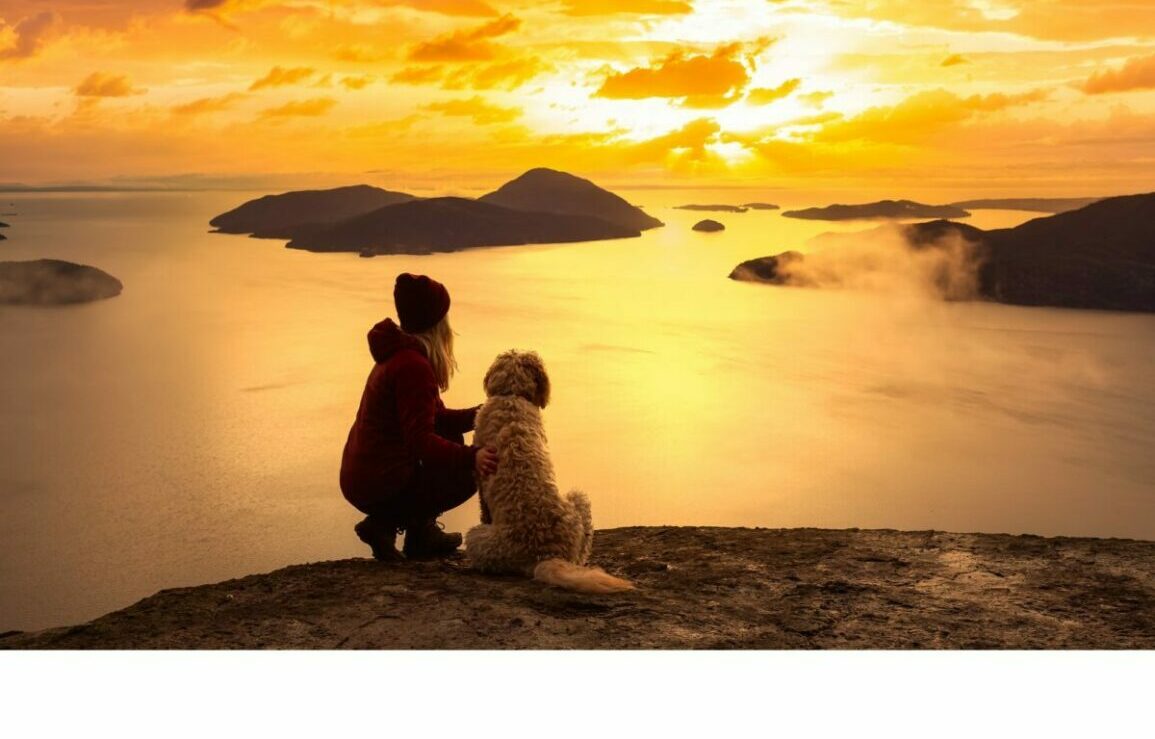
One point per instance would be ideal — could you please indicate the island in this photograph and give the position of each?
(542, 206)
(283, 216)
(46, 282)
(1101, 257)
(3, 225)
(708, 226)
(717, 208)
(697, 588)
(891, 209)
(760, 206)
(453, 224)
(543, 190)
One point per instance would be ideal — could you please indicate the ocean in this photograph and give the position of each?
(190, 430)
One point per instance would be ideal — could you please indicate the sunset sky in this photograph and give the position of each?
(998, 97)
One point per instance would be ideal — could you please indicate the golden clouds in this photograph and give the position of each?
(699, 80)
(27, 36)
(465, 45)
(1137, 74)
(481, 112)
(208, 105)
(636, 7)
(508, 75)
(301, 108)
(954, 60)
(767, 95)
(278, 77)
(921, 116)
(104, 85)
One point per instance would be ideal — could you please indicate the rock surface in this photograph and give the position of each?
(710, 588)
(283, 216)
(882, 209)
(54, 282)
(709, 226)
(452, 224)
(550, 191)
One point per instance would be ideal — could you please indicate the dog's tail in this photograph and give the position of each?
(582, 579)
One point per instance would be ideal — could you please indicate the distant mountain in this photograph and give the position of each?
(549, 191)
(1039, 205)
(1101, 257)
(718, 208)
(709, 226)
(452, 224)
(283, 216)
(882, 209)
(54, 282)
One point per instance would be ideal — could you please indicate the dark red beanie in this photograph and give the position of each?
(421, 302)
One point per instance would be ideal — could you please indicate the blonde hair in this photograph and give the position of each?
(438, 343)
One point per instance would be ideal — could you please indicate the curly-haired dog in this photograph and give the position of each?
(527, 527)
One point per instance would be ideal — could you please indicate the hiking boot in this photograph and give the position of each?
(425, 539)
(381, 536)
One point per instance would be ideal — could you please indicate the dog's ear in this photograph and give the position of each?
(536, 367)
(497, 378)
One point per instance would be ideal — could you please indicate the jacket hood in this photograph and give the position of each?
(387, 338)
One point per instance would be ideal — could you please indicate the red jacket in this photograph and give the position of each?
(399, 421)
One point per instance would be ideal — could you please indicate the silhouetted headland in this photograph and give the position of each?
(54, 282)
(697, 587)
(452, 224)
(894, 209)
(709, 226)
(282, 216)
(1039, 205)
(550, 191)
(714, 208)
(1101, 256)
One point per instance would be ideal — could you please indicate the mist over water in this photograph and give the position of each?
(190, 429)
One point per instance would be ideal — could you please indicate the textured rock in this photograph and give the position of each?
(708, 588)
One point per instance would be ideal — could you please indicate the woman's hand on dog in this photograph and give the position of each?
(486, 462)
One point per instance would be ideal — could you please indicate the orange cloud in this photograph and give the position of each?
(301, 108)
(680, 76)
(954, 60)
(29, 35)
(359, 53)
(103, 85)
(418, 75)
(465, 45)
(503, 75)
(767, 95)
(816, 99)
(634, 7)
(278, 77)
(921, 116)
(476, 108)
(208, 105)
(1137, 74)
(357, 83)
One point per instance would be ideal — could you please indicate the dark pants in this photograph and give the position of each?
(431, 492)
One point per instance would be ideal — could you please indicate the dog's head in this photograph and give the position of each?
(521, 374)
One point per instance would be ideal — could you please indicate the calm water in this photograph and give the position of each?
(190, 430)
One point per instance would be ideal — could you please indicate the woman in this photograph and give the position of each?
(405, 462)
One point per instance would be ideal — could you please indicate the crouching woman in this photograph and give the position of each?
(405, 462)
